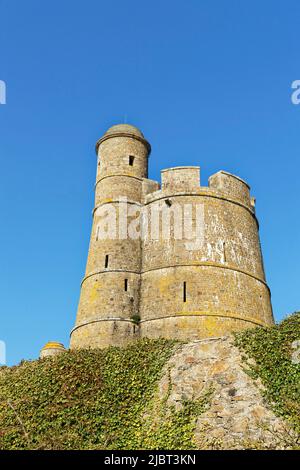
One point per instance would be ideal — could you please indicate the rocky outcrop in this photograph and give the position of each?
(237, 415)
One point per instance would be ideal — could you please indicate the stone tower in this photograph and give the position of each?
(154, 282)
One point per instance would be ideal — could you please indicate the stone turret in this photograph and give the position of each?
(110, 290)
(52, 348)
(168, 284)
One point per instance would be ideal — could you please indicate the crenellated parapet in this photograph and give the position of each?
(180, 179)
(231, 186)
(186, 180)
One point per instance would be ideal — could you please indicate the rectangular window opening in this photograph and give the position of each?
(184, 291)
(131, 160)
(106, 261)
(126, 285)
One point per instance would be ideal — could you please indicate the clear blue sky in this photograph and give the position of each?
(209, 84)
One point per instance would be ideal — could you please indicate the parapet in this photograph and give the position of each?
(181, 179)
(231, 185)
(149, 186)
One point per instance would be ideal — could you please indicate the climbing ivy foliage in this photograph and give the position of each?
(108, 399)
(94, 399)
(276, 355)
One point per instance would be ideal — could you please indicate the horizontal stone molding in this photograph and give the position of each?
(196, 264)
(231, 316)
(112, 175)
(116, 201)
(202, 193)
(106, 271)
(123, 134)
(172, 168)
(97, 320)
(209, 264)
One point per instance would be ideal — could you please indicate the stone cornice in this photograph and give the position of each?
(123, 134)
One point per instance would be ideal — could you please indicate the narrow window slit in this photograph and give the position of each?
(106, 261)
(184, 291)
(126, 285)
(131, 160)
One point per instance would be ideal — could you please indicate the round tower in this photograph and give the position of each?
(214, 283)
(110, 290)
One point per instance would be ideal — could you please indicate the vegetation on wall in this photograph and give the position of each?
(275, 354)
(108, 399)
(93, 399)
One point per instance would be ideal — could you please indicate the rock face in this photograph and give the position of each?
(237, 415)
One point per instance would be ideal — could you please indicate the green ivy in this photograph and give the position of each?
(173, 429)
(93, 399)
(271, 349)
(106, 399)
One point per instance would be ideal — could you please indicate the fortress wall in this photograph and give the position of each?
(122, 165)
(123, 254)
(180, 179)
(104, 334)
(116, 187)
(210, 291)
(191, 328)
(224, 277)
(104, 295)
(230, 235)
(114, 153)
(231, 185)
(103, 303)
(149, 186)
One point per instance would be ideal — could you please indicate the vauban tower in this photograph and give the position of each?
(146, 276)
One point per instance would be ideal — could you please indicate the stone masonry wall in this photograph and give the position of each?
(175, 291)
(237, 415)
(110, 291)
(223, 279)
